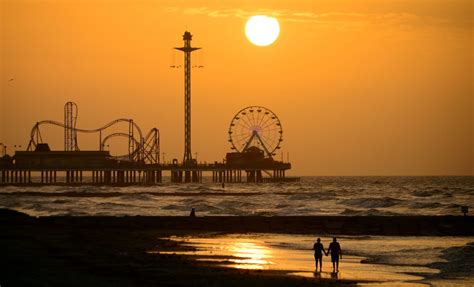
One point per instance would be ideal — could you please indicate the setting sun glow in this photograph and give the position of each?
(262, 30)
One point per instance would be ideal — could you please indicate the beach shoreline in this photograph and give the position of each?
(112, 251)
(348, 225)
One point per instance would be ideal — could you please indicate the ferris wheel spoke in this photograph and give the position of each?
(274, 130)
(236, 124)
(274, 141)
(263, 124)
(268, 135)
(246, 121)
(267, 146)
(259, 118)
(270, 124)
(263, 119)
(253, 119)
(242, 138)
(242, 120)
(243, 130)
(266, 139)
(242, 134)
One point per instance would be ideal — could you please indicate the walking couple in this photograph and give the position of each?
(334, 249)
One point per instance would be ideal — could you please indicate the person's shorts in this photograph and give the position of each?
(335, 258)
(318, 256)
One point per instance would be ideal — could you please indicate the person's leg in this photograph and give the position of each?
(320, 264)
(337, 265)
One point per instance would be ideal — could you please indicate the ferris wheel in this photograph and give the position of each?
(256, 126)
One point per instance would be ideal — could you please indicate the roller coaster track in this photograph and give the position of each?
(150, 149)
(145, 149)
(137, 143)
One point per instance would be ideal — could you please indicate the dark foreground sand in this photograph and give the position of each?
(111, 251)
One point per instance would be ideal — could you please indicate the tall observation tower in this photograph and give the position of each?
(187, 49)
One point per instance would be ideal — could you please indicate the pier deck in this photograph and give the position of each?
(96, 167)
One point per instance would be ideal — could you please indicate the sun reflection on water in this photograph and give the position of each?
(250, 255)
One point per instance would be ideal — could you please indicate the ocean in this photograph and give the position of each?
(311, 196)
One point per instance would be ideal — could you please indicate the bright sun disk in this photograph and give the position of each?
(262, 30)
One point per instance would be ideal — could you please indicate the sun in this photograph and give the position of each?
(262, 30)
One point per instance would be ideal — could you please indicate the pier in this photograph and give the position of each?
(255, 135)
(97, 168)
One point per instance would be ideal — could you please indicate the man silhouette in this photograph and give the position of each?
(318, 254)
(336, 253)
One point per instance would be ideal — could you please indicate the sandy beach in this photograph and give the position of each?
(116, 251)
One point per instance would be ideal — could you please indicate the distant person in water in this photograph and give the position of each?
(318, 254)
(193, 212)
(223, 185)
(336, 253)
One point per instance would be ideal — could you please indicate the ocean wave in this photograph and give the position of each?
(425, 205)
(61, 201)
(37, 207)
(237, 204)
(137, 196)
(311, 196)
(112, 204)
(423, 193)
(417, 256)
(369, 202)
(432, 192)
(459, 263)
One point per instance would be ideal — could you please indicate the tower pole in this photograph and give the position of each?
(187, 49)
(70, 135)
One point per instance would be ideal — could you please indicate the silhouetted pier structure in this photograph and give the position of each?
(98, 168)
(255, 134)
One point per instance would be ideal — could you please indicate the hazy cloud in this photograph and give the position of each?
(342, 19)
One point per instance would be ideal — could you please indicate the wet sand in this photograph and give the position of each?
(114, 251)
(372, 260)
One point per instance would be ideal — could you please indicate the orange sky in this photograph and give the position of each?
(361, 87)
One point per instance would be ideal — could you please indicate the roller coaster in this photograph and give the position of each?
(141, 149)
